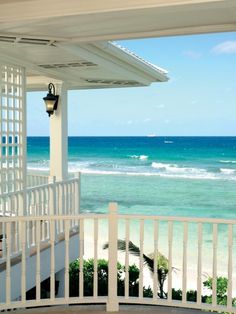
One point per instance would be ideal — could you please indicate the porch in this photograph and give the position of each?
(44, 237)
(42, 247)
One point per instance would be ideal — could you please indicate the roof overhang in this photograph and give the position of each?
(81, 66)
(67, 40)
(93, 20)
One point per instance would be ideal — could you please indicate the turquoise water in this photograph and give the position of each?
(173, 176)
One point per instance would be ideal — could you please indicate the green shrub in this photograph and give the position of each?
(102, 270)
(221, 290)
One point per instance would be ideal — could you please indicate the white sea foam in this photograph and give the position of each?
(227, 171)
(228, 161)
(173, 168)
(134, 156)
(168, 142)
(143, 157)
(37, 168)
(158, 169)
(175, 171)
(162, 166)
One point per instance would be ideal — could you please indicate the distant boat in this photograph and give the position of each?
(151, 135)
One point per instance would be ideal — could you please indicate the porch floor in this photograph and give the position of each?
(101, 309)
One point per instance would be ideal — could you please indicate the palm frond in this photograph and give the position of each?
(134, 250)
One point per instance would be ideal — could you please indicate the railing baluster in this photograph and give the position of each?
(52, 262)
(38, 276)
(77, 193)
(184, 275)
(214, 266)
(230, 269)
(66, 204)
(67, 261)
(155, 274)
(8, 263)
(127, 236)
(95, 270)
(4, 247)
(61, 204)
(63, 209)
(112, 304)
(32, 231)
(199, 265)
(81, 256)
(141, 259)
(170, 241)
(23, 261)
(37, 202)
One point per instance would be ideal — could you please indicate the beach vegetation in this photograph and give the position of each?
(221, 290)
(148, 260)
(102, 272)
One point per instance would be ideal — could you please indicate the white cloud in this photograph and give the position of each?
(130, 122)
(192, 54)
(227, 47)
(146, 120)
(167, 121)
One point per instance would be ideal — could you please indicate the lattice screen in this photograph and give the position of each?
(12, 128)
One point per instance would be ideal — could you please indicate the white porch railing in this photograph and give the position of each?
(54, 198)
(36, 178)
(50, 198)
(198, 241)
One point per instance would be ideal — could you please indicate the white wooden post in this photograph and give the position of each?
(112, 304)
(59, 136)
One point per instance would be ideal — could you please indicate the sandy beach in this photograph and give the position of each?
(177, 260)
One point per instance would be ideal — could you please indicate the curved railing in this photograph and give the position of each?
(193, 250)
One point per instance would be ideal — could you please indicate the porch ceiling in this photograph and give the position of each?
(87, 21)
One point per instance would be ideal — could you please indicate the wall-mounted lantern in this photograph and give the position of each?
(51, 100)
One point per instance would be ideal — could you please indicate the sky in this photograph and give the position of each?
(198, 100)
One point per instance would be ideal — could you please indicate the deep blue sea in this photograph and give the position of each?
(177, 176)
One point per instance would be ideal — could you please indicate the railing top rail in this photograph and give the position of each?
(121, 216)
(38, 174)
(54, 217)
(179, 219)
(46, 185)
(34, 188)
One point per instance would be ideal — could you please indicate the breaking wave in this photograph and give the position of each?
(166, 170)
(228, 161)
(141, 157)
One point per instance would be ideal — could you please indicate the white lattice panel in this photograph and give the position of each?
(12, 128)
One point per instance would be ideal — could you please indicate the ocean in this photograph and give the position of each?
(172, 176)
(167, 176)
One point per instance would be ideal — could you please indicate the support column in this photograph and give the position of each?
(59, 136)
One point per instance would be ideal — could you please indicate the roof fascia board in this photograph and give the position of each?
(135, 61)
